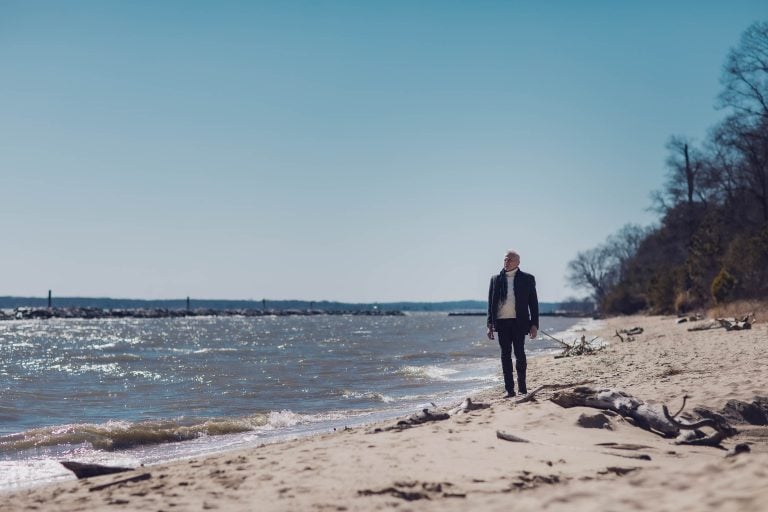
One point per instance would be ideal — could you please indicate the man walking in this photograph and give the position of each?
(513, 312)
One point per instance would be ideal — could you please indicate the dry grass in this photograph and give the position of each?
(741, 308)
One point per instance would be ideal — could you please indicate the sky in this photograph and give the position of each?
(361, 151)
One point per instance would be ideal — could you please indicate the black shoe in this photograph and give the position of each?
(509, 394)
(523, 391)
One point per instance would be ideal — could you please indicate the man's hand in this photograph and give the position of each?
(533, 332)
(490, 333)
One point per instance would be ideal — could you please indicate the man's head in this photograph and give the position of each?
(511, 260)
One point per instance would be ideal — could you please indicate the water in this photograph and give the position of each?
(132, 391)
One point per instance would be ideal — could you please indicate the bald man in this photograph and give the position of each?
(513, 312)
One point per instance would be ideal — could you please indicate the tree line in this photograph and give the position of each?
(710, 245)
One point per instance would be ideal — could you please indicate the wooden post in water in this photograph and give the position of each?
(264, 304)
(49, 299)
(188, 308)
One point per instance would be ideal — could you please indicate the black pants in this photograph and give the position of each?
(512, 338)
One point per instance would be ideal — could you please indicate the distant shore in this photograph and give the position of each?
(24, 313)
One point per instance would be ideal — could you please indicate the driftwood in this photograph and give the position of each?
(578, 348)
(532, 395)
(83, 470)
(643, 415)
(630, 333)
(689, 431)
(466, 406)
(506, 436)
(737, 324)
(425, 416)
(691, 318)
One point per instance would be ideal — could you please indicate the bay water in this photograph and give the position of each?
(142, 391)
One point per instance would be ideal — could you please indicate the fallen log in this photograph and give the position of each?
(628, 406)
(646, 416)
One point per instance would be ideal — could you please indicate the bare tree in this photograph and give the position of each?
(745, 75)
(623, 246)
(684, 164)
(599, 269)
(594, 270)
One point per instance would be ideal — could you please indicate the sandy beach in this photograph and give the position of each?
(460, 463)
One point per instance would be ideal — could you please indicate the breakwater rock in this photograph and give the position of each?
(45, 313)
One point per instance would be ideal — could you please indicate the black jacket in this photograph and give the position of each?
(526, 300)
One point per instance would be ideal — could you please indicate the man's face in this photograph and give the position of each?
(511, 262)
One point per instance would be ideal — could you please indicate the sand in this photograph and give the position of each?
(460, 464)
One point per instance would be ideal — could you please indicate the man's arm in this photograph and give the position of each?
(533, 305)
(489, 323)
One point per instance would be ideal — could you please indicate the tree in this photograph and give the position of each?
(594, 270)
(599, 269)
(684, 165)
(745, 75)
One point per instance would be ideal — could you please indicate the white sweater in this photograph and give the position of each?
(507, 308)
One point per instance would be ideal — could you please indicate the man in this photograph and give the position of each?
(513, 312)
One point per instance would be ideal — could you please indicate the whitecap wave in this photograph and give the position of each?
(427, 372)
(373, 396)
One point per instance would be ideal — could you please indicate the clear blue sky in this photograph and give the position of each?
(355, 151)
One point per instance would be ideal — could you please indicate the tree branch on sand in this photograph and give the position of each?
(578, 348)
(532, 395)
(737, 324)
(645, 416)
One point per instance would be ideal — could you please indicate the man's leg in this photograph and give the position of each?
(521, 363)
(505, 330)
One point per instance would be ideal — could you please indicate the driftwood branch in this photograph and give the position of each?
(532, 395)
(506, 436)
(425, 416)
(737, 324)
(561, 342)
(578, 348)
(692, 435)
(643, 415)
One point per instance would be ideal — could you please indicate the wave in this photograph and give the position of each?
(427, 372)
(123, 435)
(368, 395)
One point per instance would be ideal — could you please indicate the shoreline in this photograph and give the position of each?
(460, 464)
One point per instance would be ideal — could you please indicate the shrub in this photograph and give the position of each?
(723, 286)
